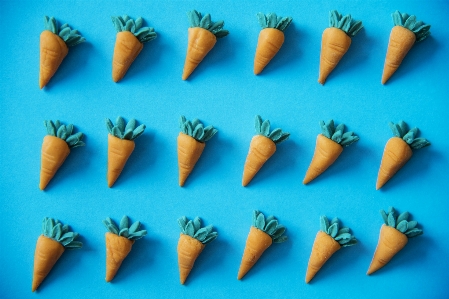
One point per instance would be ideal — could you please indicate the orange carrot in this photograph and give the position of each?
(405, 33)
(398, 151)
(202, 36)
(261, 148)
(336, 41)
(271, 38)
(329, 146)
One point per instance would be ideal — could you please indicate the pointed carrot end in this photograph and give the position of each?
(321, 80)
(306, 180)
(379, 184)
(182, 179)
(245, 182)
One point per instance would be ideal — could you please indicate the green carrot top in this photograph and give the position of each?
(205, 22)
(132, 232)
(196, 129)
(420, 29)
(64, 132)
(336, 133)
(263, 128)
(271, 20)
(401, 130)
(270, 226)
(193, 229)
(341, 235)
(125, 23)
(346, 23)
(400, 223)
(53, 229)
(69, 36)
(124, 131)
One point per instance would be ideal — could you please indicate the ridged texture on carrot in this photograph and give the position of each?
(189, 151)
(119, 151)
(127, 48)
(200, 42)
(117, 248)
(52, 51)
(54, 152)
(189, 249)
(269, 43)
(261, 149)
(47, 253)
(256, 243)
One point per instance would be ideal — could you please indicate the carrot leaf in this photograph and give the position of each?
(346, 23)
(263, 128)
(53, 229)
(270, 226)
(341, 235)
(336, 133)
(196, 129)
(69, 36)
(124, 131)
(271, 20)
(124, 230)
(63, 132)
(125, 23)
(409, 136)
(205, 22)
(193, 229)
(401, 223)
(420, 29)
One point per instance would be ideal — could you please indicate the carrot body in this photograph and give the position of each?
(126, 49)
(269, 43)
(261, 149)
(119, 151)
(256, 243)
(188, 250)
(334, 44)
(391, 241)
(52, 51)
(323, 248)
(47, 253)
(117, 248)
(396, 153)
(401, 41)
(200, 42)
(189, 151)
(54, 152)
(326, 152)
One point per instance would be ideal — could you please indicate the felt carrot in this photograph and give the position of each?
(191, 243)
(398, 151)
(55, 149)
(203, 34)
(128, 44)
(394, 235)
(406, 31)
(271, 38)
(328, 240)
(262, 234)
(119, 241)
(191, 142)
(261, 148)
(329, 146)
(50, 246)
(54, 43)
(336, 41)
(120, 145)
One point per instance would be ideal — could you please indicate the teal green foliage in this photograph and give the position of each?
(69, 36)
(193, 229)
(132, 232)
(345, 23)
(125, 23)
(205, 22)
(271, 20)
(64, 132)
(270, 226)
(400, 223)
(336, 133)
(263, 128)
(196, 129)
(54, 230)
(125, 131)
(401, 130)
(420, 29)
(341, 235)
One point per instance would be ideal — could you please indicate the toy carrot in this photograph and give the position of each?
(119, 241)
(54, 43)
(329, 145)
(120, 145)
(128, 44)
(394, 235)
(271, 38)
(398, 151)
(50, 246)
(191, 142)
(191, 243)
(328, 240)
(336, 41)
(261, 148)
(203, 34)
(406, 31)
(262, 234)
(55, 149)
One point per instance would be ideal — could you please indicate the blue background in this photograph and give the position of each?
(223, 92)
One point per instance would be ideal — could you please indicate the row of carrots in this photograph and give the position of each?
(203, 34)
(265, 231)
(192, 140)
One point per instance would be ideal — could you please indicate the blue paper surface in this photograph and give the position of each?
(224, 92)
